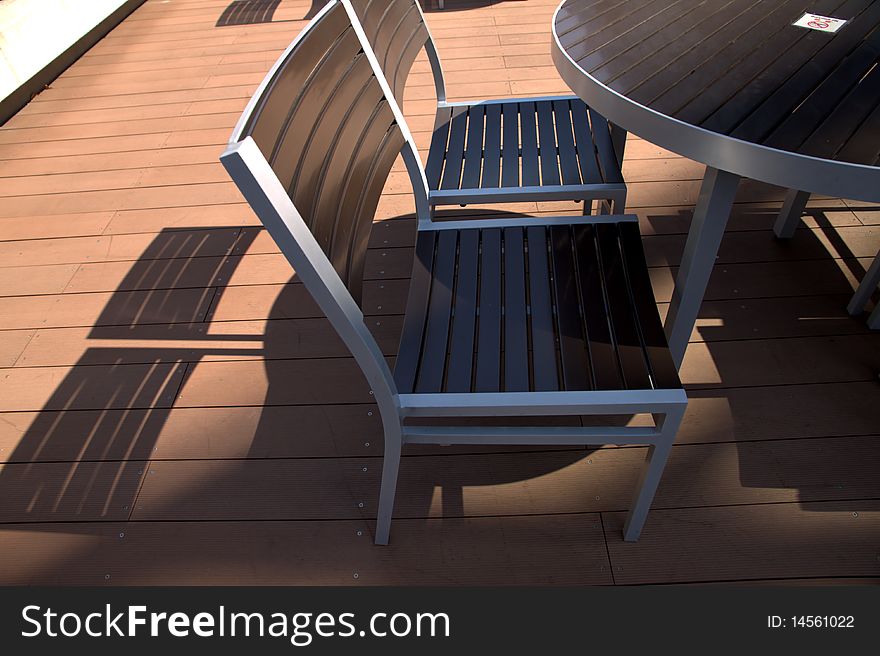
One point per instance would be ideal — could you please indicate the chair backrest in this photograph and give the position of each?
(324, 126)
(311, 154)
(397, 31)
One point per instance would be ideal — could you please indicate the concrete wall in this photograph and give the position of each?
(34, 32)
(39, 38)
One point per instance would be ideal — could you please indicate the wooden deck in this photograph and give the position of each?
(174, 410)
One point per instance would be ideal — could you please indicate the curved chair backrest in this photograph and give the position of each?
(397, 31)
(311, 154)
(324, 126)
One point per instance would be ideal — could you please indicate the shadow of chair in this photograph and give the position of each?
(248, 12)
(101, 422)
(83, 458)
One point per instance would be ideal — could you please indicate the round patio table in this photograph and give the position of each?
(736, 85)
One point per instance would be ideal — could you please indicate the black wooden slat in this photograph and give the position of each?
(624, 321)
(492, 148)
(586, 149)
(407, 363)
(639, 47)
(370, 14)
(663, 371)
(700, 94)
(397, 20)
(433, 361)
(516, 343)
(408, 39)
(488, 372)
(544, 368)
(577, 15)
(603, 351)
(592, 31)
(383, 160)
(304, 111)
(461, 341)
(347, 109)
(841, 123)
(605, 149)
(565, 140)
(763, 103)
(336, 208)
(510, 146)
(646, 80)
(529, 145)
(455, 150)
(864, 146)
(549, 159)
(627, 24)
(801, 123)
(474, 151)
(572, 347)
(437, 150)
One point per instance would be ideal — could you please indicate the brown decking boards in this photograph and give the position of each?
(174, 409)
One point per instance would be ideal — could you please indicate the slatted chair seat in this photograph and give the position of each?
(543, 149)
(506, 317)
(499, 150)
(532, 309)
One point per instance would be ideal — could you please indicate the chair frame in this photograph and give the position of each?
(257, 181)
(614, 193)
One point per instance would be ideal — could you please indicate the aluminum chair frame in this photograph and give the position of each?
(611, 195)
(255, 177)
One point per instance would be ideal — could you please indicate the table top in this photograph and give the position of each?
(734, 84)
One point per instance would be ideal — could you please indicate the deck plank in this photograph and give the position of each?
(836, 539)
(350, 430)
(147, 325)
(485, 551)
(507, 484)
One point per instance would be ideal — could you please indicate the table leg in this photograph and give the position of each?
(874, 319)
(704, 237)
(618, 141)
(865, 290)
(790, 214)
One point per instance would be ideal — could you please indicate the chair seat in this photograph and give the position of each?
(522, 147)
(532, 308)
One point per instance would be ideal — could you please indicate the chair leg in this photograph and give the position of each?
(618, 141)
(866, 289)
(652, 470)
(874, 319)
(790, 214)
(618, 204)
(614, 205)
(390, 468)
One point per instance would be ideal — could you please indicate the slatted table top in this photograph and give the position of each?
(739, 85)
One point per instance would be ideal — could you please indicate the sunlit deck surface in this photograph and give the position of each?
(176, 411)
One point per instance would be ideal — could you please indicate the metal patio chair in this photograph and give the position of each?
(505, 317)
(500, 150)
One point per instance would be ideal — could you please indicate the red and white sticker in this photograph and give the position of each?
(821, 23)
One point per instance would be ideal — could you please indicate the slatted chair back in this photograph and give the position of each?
(330, 136)
(397, 31)
(311, 154)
